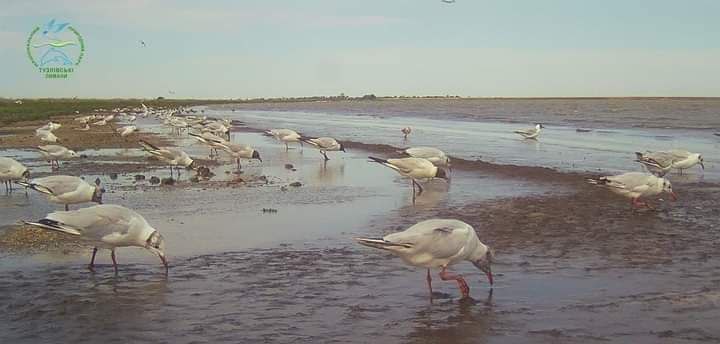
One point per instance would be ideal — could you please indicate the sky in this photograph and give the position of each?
(288, 48)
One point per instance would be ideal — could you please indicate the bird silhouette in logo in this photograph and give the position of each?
(52, 27)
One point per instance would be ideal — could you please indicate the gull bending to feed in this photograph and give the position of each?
(434, 155)
(56, 153)
(685, 159)
(635, 185)
(324, 144)
(438, 243)
(286, 136)
(413, 168)
(11, 170)
(170, 156)
(530, 133)
(107, 226)
(66, 189)
(240, 151)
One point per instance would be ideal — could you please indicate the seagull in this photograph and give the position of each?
(142, 44)
(109, 118)
(414, 168)
(50, 126)
(210, 139)
(11, 170)
(448, 1)
(170, 156)
(240, 151)
(130, 118)
(145, 110)
(84, 119)
(438, 243)
(531, 133)
(127, 130)
(286, 136)
(85, 128)
(685, 159)
(434, 155)
(635, 185)
(66, 189)
(324, 144)
(46, 135)
(100, 122)
(107, 226)
(218, 128)
(658, 163)
(406, 131)
(55, 153)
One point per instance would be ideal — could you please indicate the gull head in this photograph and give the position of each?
(441, 173)
(72, 153)
(192, 165)
(26, 174)
(155, 243)
(539, 126)
(256, 155)
(98, 193)
(700, 161)
(484, 263)
(342, 148)
(667, 187)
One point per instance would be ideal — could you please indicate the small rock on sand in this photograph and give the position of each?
(113, 176)
(154, 180)
(289, 166)
(296, 184)
(139, 177)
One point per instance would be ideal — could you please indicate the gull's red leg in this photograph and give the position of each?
(462, 285)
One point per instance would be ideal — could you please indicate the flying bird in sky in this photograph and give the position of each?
(142, 44)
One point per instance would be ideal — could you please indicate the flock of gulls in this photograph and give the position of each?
(435, 243)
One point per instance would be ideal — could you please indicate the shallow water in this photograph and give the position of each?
(241, 275)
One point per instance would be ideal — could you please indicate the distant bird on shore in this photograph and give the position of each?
(636, 185)
(130, 118)
(448, 1)
(127, 130)
(50, 126)
(171, 156)
(107, 226)
(286, 136)
(530, 133)
(240, 151)
(46, 136)
(11, 171)
(324, 144)
(413, 168)
(438, 243)
(66, 189)
(142, 44)
(55, 153)
(406, 131)
(434, 155)
(85, 128)
(100, 123)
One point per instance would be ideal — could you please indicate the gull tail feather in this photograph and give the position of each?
(381, 244)
(54, 226)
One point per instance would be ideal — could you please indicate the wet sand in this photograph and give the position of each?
(575, 264)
